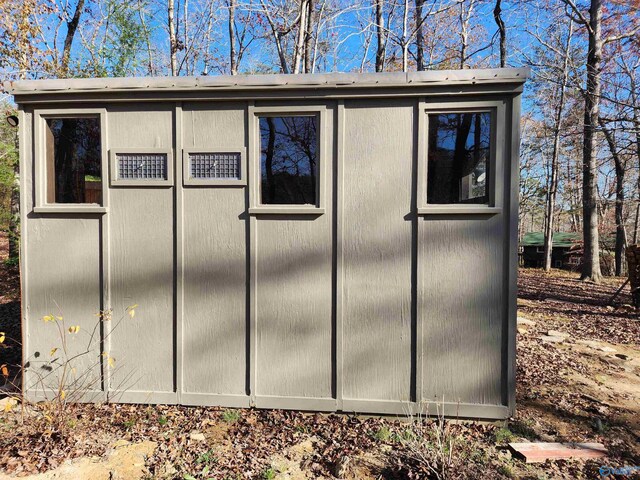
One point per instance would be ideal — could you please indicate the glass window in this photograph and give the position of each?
(459, 158)
(288, 160)
(74, 160)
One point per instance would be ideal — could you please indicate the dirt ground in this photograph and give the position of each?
(578, 380)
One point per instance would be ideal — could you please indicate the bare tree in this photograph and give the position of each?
(173, 42)
(593, 24)
(497, 15)
(72, 26)
(233, 66)
(553, 182)
(381, 35)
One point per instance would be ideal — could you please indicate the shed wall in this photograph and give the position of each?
(367, 307)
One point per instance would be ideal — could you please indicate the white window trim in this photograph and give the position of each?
(214, 182)
(497, 108)
(255, 207)
(40, 181)
(113, 169)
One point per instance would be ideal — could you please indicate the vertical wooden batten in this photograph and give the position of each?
(179, 252)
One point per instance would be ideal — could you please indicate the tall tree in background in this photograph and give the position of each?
(173, 37)
(592, 21)
(72, 27)
(555, 153)
(502, 31)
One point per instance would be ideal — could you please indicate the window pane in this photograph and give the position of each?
(74, 160)
(459, 153)
(289, 160)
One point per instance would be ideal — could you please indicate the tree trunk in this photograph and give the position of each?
(419, 36)
(232, 37)
(553, 183)
(308, 37)
(302, 27)
(465, 16)
(72, 26)
(621, 235)
(173, 46)
(380, 52)
(591, 257)
(497, 15)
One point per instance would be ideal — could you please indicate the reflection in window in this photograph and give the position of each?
(288, 160)
(74, 160)
(459, 154)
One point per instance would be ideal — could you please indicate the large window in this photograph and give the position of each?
(459, 154)
(73, 160)
(288, 160)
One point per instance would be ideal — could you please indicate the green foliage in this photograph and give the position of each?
(130, 423)
(12, 262)
(230, 416)
(124, 37)
(8, 163)
(207, 457)
(504, 435)
(163, 421)
(383, 434)
(269, 474)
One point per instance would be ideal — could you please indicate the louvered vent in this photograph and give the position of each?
(142, 166)
(215, 166)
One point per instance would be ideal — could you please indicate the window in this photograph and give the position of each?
(288, 160)
(73, 160)
(141, 167)
(209, 165)
(459, 158)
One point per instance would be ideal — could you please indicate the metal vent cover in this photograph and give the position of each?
(214, 165)
(142, 166)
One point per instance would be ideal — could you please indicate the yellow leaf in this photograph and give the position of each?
(53, 351)
(74, 329)
(47, 318)
(62, 394)
(59, 318)
(111, 361)
(2, 337)
(132, 310)
(105, 354)
(4, 370)
(8, 406)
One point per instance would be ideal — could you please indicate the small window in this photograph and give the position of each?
(288, 160)
(73, 160)
(459, 158)
(142, 166)
(215, 165)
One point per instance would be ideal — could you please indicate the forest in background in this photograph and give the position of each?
(580, 152)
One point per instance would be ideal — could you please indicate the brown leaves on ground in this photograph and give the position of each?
(583, 387)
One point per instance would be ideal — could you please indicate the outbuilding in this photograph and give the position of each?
(328, 242)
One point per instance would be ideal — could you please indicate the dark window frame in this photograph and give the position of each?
(497, 157)
(485, 198)
(255, 156)
(43, 173)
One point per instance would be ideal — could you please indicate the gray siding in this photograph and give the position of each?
(215, 228)
(373, 305)
(141, 244)
(376, 243)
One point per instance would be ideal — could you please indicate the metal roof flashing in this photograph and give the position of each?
(268, 82)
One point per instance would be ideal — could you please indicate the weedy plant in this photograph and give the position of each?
(431, 443)
(69, 372)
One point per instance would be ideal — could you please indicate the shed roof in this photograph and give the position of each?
(276, 81)
(560, 239)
